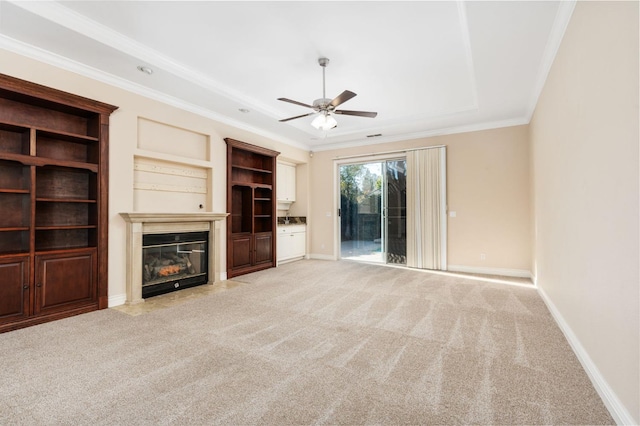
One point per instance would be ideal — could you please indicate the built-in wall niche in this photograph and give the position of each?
(160, 138)
(172, 169)
(162, 186)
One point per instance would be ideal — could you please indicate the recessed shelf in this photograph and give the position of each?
(65, 184)
(169, 158)
(13, 191)
(19, 127)
(14, 139)
(13, 128)
(64, 200)
(65, 136)
(65, 147)
(14, 228)
(29, 160)
(65, 238)
(14, 240)
(251, 185)
(252, 169)
(55, 228)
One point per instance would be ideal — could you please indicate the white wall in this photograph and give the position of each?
(584, 138)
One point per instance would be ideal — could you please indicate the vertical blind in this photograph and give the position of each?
(426, 208)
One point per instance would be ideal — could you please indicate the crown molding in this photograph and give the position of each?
(61, 15)
(518, 121)
(382, 125)
(67, 64)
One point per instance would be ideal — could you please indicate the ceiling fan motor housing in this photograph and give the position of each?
(322, 104)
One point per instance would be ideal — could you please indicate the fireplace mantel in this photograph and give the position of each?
(139, 224)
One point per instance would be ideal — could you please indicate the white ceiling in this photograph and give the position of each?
(426, 67)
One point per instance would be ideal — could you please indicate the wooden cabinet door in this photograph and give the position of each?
(65, 281)
(14, 288)
(263, 248)
(241, 250)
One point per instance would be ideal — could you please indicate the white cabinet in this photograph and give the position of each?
(286, 183)
(292, 242)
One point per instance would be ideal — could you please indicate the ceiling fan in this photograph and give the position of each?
(325, 108)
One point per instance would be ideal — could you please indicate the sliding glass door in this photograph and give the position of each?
(396, 211)
(373, 211)
(361, 222)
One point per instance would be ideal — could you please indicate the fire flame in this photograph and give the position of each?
(169, 270)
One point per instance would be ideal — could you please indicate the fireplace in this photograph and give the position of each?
(173, 261)
(153, 236)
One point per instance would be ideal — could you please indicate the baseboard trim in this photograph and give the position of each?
(223, 276)
(617, 410)
(518, 273)
(291, 259)
(117, 300)
(322, 256)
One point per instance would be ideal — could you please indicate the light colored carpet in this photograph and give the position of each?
(311, 342)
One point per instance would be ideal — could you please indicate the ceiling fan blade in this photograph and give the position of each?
(357, 113)
(342, 98)
(298, 116)
(295, 102)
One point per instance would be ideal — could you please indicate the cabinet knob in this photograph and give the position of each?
(39, 285)
(25, 287)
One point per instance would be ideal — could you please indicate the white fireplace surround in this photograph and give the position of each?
(139, 224)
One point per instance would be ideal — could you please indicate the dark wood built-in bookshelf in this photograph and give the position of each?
(53, 203)
(251, 225)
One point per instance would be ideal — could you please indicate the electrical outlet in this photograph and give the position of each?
(483, 256)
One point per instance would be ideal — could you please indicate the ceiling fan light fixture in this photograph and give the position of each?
(324, 122)
(327, 107)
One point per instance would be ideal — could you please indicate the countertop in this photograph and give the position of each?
(293, 220)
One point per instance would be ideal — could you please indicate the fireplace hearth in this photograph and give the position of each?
(158, 277)
(173, 261)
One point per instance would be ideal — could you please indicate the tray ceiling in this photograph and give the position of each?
(427, 68)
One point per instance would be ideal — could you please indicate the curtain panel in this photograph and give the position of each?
(426, 208)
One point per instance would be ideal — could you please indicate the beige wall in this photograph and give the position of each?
(124, 141)
(584, 137)
(487, 186)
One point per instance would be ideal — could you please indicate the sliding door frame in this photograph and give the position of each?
(391, 155)
(382, 158)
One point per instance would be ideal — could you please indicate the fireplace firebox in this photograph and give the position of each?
(173, 261)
